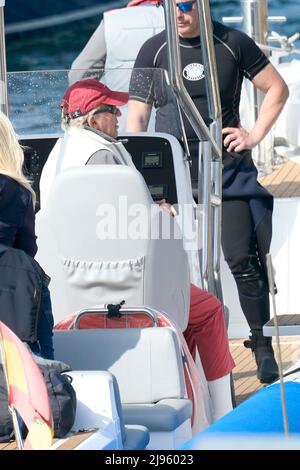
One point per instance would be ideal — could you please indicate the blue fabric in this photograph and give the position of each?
(240, 182)
(17, 230)
(262, 413)
(17, 219)
(44, 344)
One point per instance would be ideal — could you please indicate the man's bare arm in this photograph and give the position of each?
(270, 82)
(138, 116)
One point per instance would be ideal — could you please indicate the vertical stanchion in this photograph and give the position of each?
(255, 24)
(3, 73)
(282, 391)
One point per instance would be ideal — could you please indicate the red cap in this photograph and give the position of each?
(134, 3)
(85, 95)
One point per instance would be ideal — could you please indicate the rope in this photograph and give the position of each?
(280, 368)
(287, 44)
(290, 49)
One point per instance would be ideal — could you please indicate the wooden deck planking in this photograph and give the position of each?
(244, 374)
(280, 172)
(68, 443)
(8, 445)
(73, 441)
(284, 181)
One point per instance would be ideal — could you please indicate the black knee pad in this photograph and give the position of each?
(250, 278)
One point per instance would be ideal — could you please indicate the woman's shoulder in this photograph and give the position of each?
(12, 191)
(8, 186)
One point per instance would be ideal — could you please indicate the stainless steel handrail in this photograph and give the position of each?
(175, 75)
(209, 59)
(206, 229)
(217, 227)
(3, 72)
(255, 24)
(104, 311)
(210, 193)
(215, 114)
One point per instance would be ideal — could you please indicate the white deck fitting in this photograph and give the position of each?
(288, 325)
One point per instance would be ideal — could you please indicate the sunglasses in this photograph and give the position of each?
(107, 109)
(186, 7)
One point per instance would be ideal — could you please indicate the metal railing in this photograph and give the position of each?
(123, 311)
(212, 198)
(255, 24)
(210, 179)
(3, 73)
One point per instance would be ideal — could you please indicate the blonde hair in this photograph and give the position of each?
(11, 155)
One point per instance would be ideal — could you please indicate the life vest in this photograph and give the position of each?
(75, 149)
(125, 31)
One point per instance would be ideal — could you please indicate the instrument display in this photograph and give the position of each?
(158, 191)
(151, 160)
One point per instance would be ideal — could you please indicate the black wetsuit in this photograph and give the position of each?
(237, 56)
(247, 206)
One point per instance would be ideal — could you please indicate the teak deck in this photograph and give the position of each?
(244, 374)
(284, 181)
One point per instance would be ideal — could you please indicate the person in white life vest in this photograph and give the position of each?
(90, 117)
(90, 113)
(114, 45)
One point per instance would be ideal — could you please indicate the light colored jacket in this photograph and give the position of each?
(78, 147)
(125, 31)
(115, 44)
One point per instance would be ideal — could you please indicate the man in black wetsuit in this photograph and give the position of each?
(247, 206)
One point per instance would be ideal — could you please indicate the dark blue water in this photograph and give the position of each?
(22, 10)
(56, 48)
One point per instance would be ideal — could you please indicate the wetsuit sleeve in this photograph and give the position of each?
(141, 86)
(251, 59)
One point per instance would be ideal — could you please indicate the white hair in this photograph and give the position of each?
(12, 155)
(77, 122)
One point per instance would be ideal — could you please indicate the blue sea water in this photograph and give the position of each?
(56, 48)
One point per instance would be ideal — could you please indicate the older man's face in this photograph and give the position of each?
(107, 122)
(187, 21)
